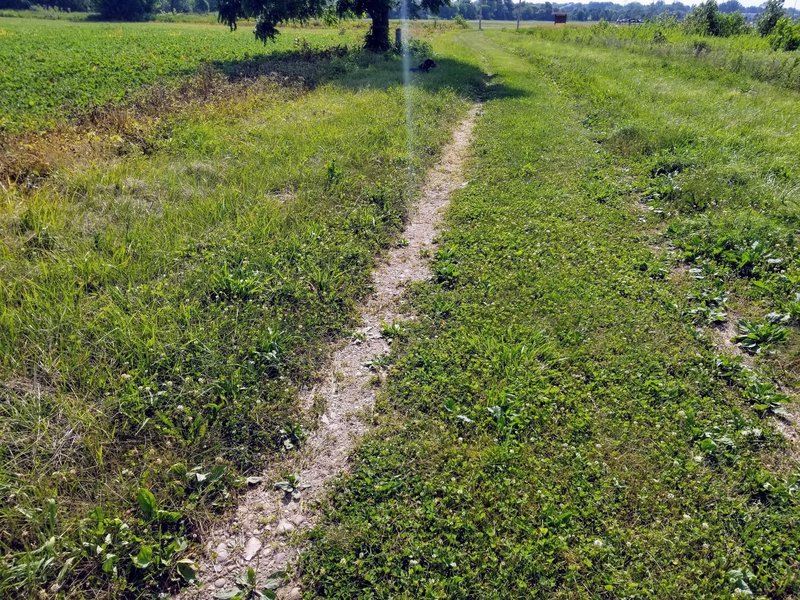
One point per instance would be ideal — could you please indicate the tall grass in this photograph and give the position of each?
(713, 154)
(747, 54)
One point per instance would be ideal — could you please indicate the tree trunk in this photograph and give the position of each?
(378, 36)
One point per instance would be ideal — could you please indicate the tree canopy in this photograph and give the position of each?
(271, 13)
(707, 19)
(773, 12)
(125, 10)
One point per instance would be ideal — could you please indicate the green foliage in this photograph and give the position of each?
(248, 588)
(98, 63)
(769, 17)
(785, 35)
(125, 10)
(269, 14)
(746, 55)
(707, 19)
(554, 426)
(292, 486)
(733, 24)
(756, 337)
(158, 312)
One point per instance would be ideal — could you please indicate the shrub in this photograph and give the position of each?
(707, 19)
(460, 21)
(732, 24)
(753, 337)
(785, 36)
(659, 37)
(703, 20)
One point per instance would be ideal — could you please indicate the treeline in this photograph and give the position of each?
(725, 18)
(507, 10)
(116, 9)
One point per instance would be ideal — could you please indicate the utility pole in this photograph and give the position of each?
(519, 11)
(480, 15)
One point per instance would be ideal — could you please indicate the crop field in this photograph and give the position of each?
(74, 66)
(596, 397)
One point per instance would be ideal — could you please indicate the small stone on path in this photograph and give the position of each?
(284, 527)
(293, 594)
(222, 552)
(252, 548)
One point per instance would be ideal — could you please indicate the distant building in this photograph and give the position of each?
(559, 17)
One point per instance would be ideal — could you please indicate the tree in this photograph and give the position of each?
(731, 6)
(704, 19)
(66, 5)
(125, 10)
(707, 19)
(773, 11)
(271, 13)
(177, 6)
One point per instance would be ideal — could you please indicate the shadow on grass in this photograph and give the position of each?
(359, 69)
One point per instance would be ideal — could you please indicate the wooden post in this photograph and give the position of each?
(398, 37)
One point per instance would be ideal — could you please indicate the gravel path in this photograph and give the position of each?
(259, 533)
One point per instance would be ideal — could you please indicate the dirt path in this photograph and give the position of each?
(261, 531)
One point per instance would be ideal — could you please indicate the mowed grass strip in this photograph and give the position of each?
(158, 313)
(714, 159)
(554, 427)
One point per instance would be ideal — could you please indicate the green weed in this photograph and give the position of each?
(552, 427)
(248, 588)
(757, 337)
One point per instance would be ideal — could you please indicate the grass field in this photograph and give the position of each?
(559, 425)
(567, 417)
(158, 312)
(742, 54)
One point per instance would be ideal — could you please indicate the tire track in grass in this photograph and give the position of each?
(260, 534)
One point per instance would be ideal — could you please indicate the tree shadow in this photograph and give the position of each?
(359, 69)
